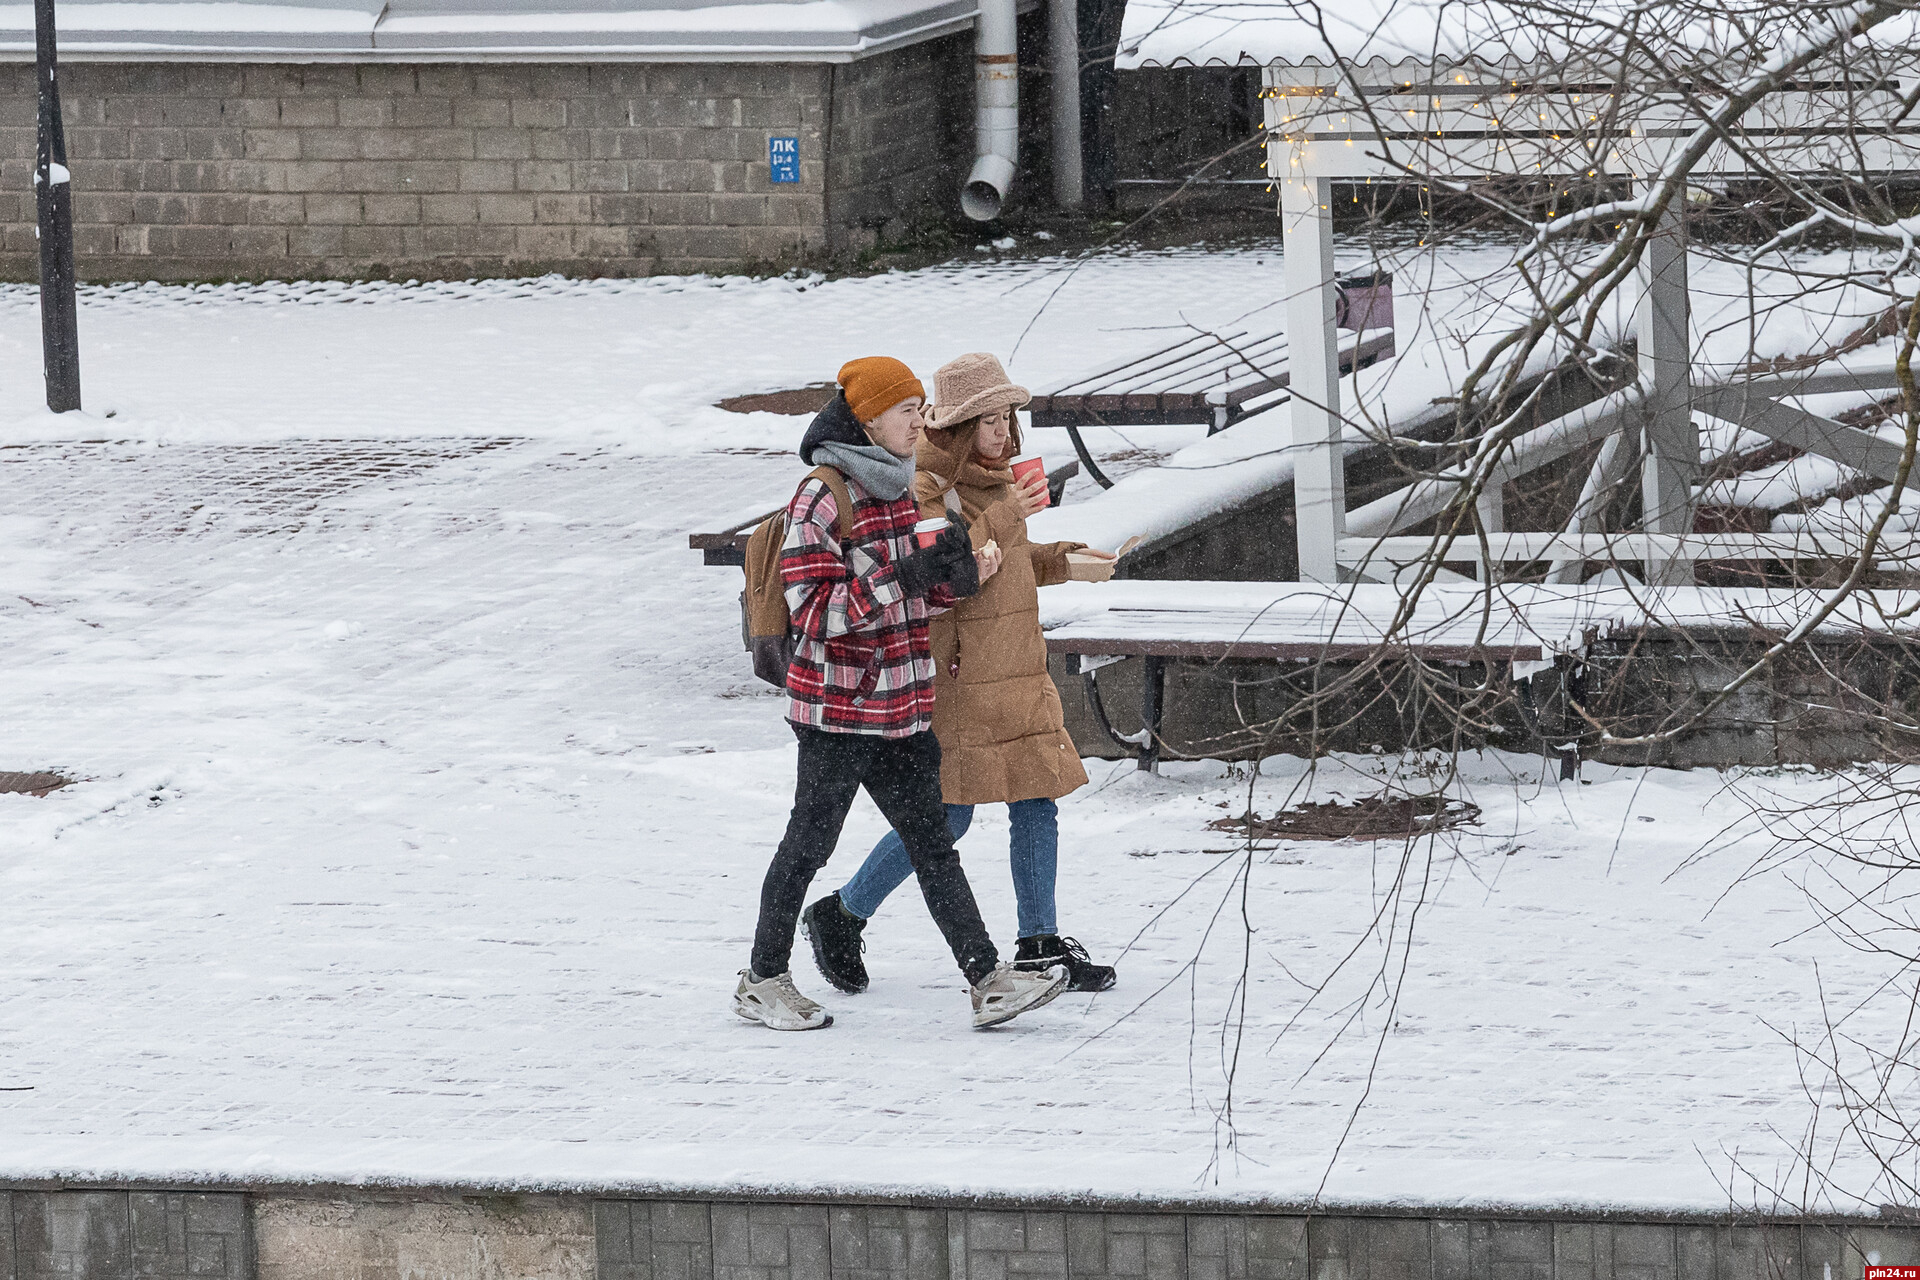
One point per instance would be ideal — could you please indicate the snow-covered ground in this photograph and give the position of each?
(427, 793)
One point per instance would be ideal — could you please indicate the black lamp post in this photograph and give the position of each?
(53, 201)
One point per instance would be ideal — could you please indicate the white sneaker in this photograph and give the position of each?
(775, 1002)
(1007, 992)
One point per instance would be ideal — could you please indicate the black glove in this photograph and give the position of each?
(963, 573)
(948, 562)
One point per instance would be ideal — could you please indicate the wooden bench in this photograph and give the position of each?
(1212, 378)
(1290, 622)
(729, 545)
(1216, 379)
(1089, 648)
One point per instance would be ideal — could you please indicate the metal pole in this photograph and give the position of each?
(1063, 52)
(53, 203)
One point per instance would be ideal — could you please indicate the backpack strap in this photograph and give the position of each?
(949, 493)
(842, 500)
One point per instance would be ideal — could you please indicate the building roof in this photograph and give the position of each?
(1319, 33)
(480, 30)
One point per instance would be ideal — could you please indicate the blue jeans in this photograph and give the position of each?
(1035, 856)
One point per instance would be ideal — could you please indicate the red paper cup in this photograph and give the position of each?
(926, 531)
(1026, 468)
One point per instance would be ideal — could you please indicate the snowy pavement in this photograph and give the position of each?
(427, 793)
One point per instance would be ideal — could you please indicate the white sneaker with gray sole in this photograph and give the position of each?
(1007, 992)
(775, 1002)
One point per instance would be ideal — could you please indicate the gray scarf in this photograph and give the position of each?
(879, 472)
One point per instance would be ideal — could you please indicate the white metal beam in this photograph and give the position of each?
(1849, 446)
(1609, 469)
(1319, 468)
(1428, 498)
(1670, 443)
(1506, 547)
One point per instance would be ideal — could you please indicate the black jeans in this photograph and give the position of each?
(903, 777)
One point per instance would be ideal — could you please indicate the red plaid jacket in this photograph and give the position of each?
(862, 662)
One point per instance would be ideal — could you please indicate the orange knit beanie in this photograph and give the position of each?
(874, 384)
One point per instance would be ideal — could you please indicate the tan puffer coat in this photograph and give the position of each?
(995, 710)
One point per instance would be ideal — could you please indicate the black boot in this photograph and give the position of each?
(837, 944)
(1048, 949)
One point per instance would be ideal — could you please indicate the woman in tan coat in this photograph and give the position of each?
(996, 712)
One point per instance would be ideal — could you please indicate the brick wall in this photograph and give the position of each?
(186, 171)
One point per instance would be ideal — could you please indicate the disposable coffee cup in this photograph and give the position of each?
(926, 531)
(1026, 468)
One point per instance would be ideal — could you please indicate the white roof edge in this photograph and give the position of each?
(1312, 37)
(693, 41)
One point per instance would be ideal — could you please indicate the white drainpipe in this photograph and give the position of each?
(996, 89)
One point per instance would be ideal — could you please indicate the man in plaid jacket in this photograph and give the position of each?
(861, 689)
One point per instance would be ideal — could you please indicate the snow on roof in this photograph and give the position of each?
(201, 26)
(658, 30)
(1308, 33)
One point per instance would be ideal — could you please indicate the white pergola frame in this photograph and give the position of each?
(1420, 118)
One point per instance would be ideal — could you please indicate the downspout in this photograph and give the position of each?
(996, 90)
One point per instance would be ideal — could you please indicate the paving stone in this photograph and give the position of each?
(1511, 1250)
(1693, 1252)
(1759, 1253)
(116, 1235)
(881, 1242)
(1823, 1253)
(1235, 1247)
(1395, 1248)
(70, 1234)
(770, 1242)
(1216, 1247)
(993, 1245)
(1126, 1245)
(1861, 1246)
(1452, 1246)
(1639, 1251)
(1332, 1252)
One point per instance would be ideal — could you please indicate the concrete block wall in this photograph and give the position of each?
(120, 1235)
(190, 171)
(901, 133)
(368, 1234)
(902, 137)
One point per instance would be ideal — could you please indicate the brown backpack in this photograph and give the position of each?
(765, 625)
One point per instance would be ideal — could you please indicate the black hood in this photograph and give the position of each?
(834, 424)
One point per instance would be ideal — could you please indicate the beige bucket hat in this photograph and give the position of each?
(970, 385)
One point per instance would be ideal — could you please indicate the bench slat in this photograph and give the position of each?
(1207, 367)
(1206, 381)
(1084, 382)
(1288, 650)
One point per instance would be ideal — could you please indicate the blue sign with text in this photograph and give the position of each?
(783, 159)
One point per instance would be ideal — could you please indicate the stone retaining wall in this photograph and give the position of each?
(293, 1234)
